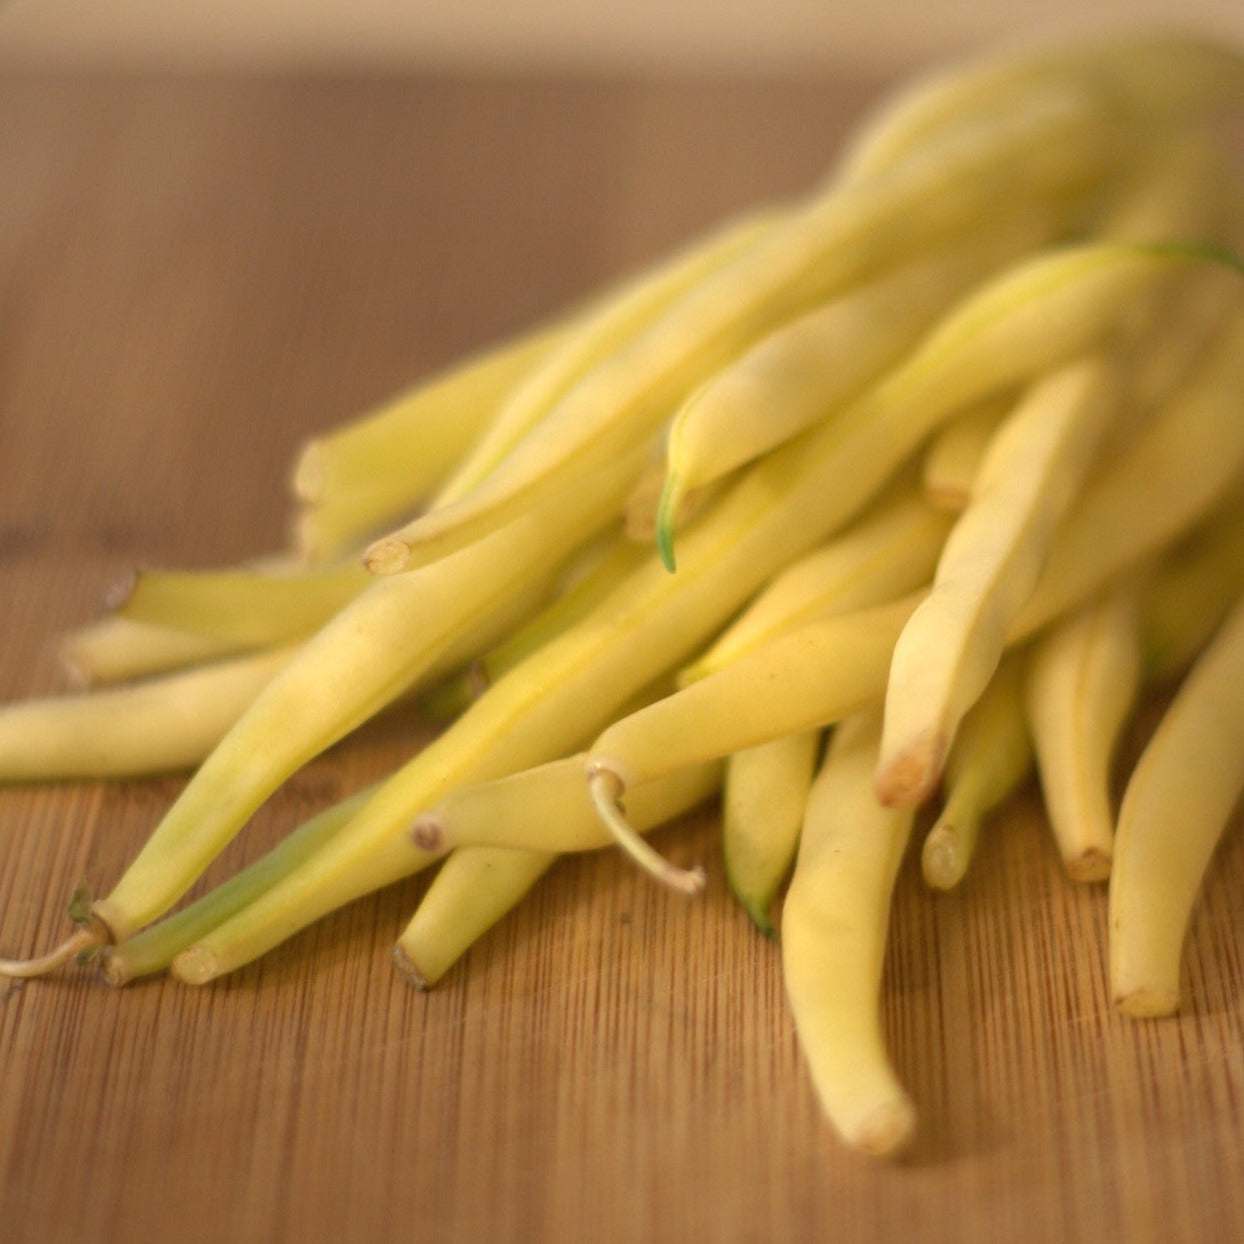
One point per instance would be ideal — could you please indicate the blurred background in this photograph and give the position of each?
(718, 35)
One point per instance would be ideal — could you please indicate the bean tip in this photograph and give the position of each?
(759, 916)
(1092, 864)
(308, 480)
(113, 968)
(119, 593)
(907, 779)
(1147, 1002)
(886, 1130)
(389, 555)
(667, 511)
(195, 966)
(428, 833)
(941, 859)
(408, 970)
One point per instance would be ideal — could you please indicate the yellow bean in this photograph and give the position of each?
(375, 469)
(1175, 808)
(547, 809)
(807, 678)
(158, 726)
(118, 649)
(1082, 687)
(765, 799)
(991, 756)
(1191, 592)
(950, 648)
(888, 553)
(834, 924)
(249, 608)
(474, 889)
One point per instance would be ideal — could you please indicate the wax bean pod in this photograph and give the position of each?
(949, 650)
(990, 758)
(1176, 805)
(834, 926)
(158, 726)
(766, 797)
(1082, 686)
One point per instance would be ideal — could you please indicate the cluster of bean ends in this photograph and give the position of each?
(948, 456)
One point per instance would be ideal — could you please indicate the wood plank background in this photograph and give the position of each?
(193, 275)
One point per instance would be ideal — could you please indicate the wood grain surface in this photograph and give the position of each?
(193, 275)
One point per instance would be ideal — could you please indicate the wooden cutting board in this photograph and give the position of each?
(195, 274)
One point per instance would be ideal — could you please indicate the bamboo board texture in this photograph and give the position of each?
(193, 275)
